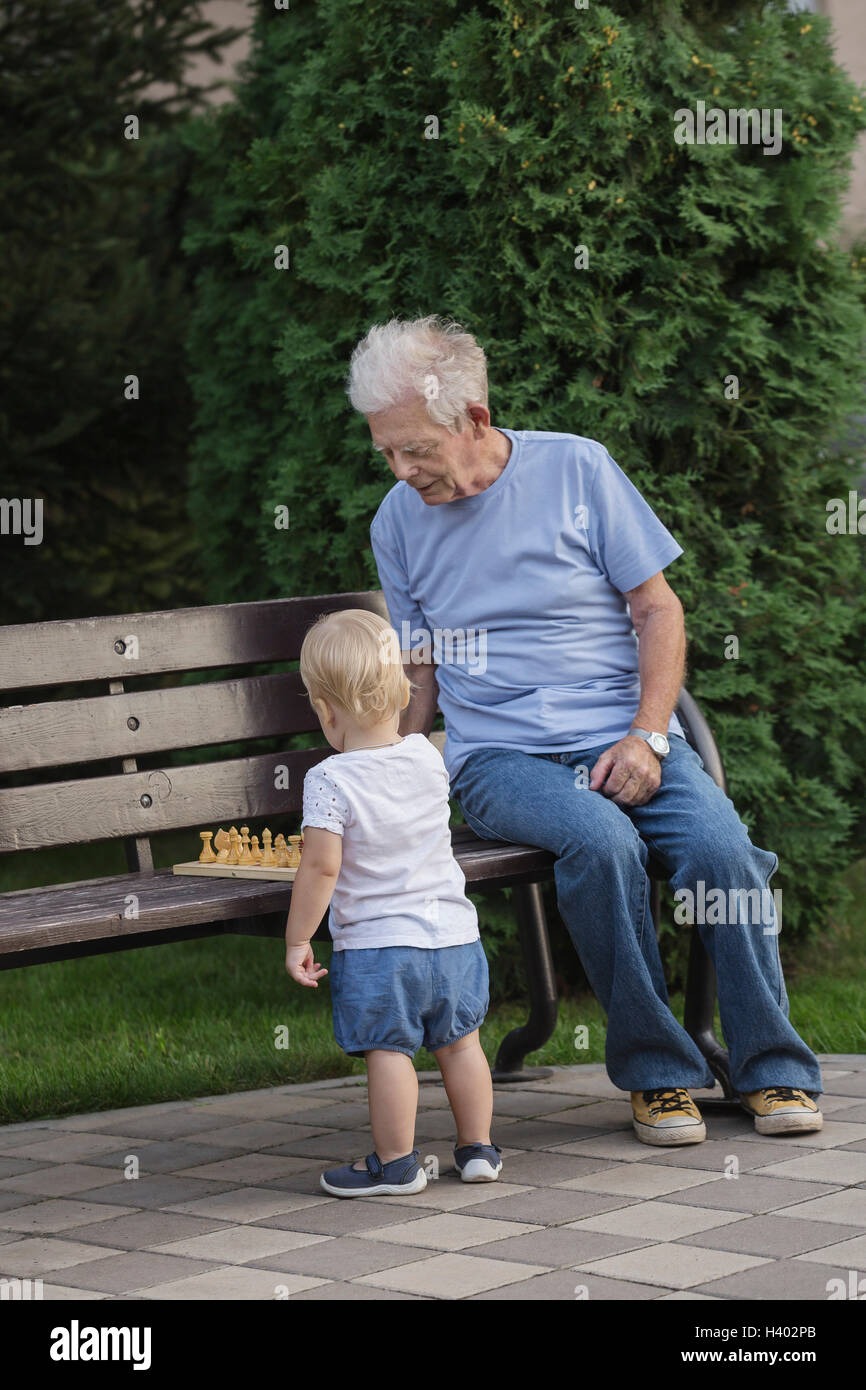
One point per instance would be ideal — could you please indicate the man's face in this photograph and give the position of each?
(438, 465)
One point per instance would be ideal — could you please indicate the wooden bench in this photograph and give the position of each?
(118, 709)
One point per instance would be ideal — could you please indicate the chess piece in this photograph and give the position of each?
(245, 857)
(234, 854)
(281, 852)
(269, 859)
(294, 851)
(221, 845)
(207, 855)
(255, 851)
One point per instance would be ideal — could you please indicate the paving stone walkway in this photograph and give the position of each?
(227, 1203)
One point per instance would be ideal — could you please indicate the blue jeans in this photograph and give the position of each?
(603, 892)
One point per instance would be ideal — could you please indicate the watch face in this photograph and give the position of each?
(659, 743)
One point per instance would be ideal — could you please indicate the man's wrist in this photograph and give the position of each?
(656, 740)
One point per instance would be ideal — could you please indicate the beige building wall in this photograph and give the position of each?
(849, 25)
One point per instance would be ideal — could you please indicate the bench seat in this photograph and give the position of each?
(71, 919)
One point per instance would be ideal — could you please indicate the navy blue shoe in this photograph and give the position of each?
(401, 1175)
(478, 1162)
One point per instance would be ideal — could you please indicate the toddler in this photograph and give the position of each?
(408, 968)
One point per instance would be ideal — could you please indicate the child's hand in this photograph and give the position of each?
(302, 966)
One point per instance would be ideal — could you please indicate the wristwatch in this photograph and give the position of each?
(657, 742)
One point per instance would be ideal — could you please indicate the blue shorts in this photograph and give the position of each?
(402, 998)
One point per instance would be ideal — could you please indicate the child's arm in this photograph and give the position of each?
(311, 892)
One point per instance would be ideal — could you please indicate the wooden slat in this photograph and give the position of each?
(183, 639)
(47, 919)
(57, 732)
(201, 794)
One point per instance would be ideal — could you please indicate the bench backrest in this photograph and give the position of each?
(132, 706)
(128, 705)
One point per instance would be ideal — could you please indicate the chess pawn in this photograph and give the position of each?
(207, 855)
(245, 856)
(269, 859)
(294, 851)
(221, 845)
(255, 851)
(281, 852)
(234, 853)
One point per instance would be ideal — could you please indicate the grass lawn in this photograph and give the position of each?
(208, 1017)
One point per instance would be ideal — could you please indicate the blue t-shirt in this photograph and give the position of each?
(519, 591)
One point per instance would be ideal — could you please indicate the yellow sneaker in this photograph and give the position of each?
(782, 1110)
(667, 1116)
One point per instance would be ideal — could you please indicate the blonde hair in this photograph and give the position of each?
(431, 357)
(352, 658)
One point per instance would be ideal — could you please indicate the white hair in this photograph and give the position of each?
(429, 357)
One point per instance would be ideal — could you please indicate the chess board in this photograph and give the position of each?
(234, 855)
(266, 871)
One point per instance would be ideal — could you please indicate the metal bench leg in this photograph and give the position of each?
(534, 1033)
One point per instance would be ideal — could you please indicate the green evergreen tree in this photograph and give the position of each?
(93, 288)
(706, 262)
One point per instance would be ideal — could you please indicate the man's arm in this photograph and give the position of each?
(629, 772)
(657, 618)
(418, 716)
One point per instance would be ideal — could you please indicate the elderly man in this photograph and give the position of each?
(563, 735)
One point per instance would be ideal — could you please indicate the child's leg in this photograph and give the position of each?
(469, 1087)
(393, 1093)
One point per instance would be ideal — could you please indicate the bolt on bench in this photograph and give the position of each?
(101, 736)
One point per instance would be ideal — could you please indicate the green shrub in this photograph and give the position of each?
(556, 129)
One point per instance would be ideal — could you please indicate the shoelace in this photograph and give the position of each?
(666, 1100)
(782, 1093)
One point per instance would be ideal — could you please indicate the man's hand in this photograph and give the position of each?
(628, 772)
(302, 965)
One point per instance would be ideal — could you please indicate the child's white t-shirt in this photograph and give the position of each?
(399, 883)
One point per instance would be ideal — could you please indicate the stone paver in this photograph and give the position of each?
(452, 1231)
(129, 1271)
(769, 1235)
(33, 1257)
(833, 1166)
(334, 1290)
(59, 1180)
(847, 1207)
(851, 1253)
(237, 1245)
(247, 1204)
(571, 1285)
(677, 1266)
(450, 1276)
(638, 1180)
(777, 1280)
(227, 1204)
(656, 1220)
(71, 1148)
(233, 1282)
